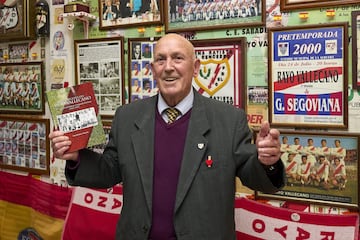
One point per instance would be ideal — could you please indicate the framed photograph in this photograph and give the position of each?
(355, 26)
(141, 81)
(186, 16)
(24, 145)
(125, 14)
(22, 88)
(286, 5)
(17, 20)
(18, 51)
(100, 61)
(222, 69)
(321, 168)
(307, 76)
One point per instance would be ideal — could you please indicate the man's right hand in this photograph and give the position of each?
(60, 144)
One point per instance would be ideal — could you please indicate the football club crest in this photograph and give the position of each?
(213, 75)
(9, 17)
(283, 49)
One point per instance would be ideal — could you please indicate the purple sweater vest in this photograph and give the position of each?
(169, 149)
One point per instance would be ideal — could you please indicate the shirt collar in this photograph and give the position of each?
(183, 106)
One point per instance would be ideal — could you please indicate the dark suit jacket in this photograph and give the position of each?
(204, 207)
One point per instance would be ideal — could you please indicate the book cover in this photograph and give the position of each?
(74, 111)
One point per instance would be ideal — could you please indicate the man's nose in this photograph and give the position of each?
(169, 64)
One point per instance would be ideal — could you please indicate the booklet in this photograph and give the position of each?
(75, 112)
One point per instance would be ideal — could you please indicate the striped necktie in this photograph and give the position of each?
(172, 114)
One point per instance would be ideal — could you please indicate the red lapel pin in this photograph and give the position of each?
(209, 161)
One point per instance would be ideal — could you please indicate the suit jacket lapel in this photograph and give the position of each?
(143, 142)
(195, 148)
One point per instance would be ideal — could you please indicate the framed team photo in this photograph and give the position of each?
(100, 61)
(286, 5)
(321, 168)
(307, 76)
(24, 145)
(128, 13)
(22, 88)
(187, 16)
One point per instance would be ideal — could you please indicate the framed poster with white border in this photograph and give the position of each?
(101, 62)
(307, 76)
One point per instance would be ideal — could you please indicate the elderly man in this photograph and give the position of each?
(177, 154)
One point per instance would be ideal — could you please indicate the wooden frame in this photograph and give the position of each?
(22, 88)
(204, 16)
(286, 5)
(321, 181)
(100, 61)
(307, 78)
(24, 145)
(17, 21)
(355, 28)
(141, 82)
(222, 70)
(129, 15)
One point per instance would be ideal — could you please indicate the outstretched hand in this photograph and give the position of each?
(268, 144)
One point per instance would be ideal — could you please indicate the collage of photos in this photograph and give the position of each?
(23, 144)
(321, 167)
(105, 78)
(20, 87)
(142, 83)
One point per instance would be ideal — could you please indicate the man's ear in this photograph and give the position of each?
(196, 67)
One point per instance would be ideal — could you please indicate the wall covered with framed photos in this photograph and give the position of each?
(247, 45)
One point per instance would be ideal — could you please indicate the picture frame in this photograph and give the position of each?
(222, 73)
(126, 14)
(24, 145)
(355, 28)
(101, 62)
(140, 55)
(22, 88)
(212, 15)
(17, 21)
(316, 97)
(327, 170)
(288, 5)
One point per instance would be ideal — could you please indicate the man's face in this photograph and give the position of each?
(174, 67)
(137, 48)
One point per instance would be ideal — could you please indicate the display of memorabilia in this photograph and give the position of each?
(308, 81)
(17, 19)
(75, 112)
(185, 16)
(320, 168)
(126, 14)
(21, 87)
(100, 61)
(24, 145)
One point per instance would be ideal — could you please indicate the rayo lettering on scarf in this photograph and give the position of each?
(100, 201)
(262, 221)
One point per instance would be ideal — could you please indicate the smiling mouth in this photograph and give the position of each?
(170, 79)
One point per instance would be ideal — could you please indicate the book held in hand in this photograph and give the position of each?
(75, 112)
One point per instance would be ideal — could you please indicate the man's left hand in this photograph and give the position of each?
(268, 144)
